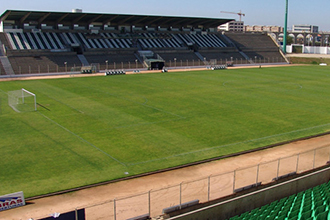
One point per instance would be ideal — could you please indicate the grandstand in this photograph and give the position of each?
(44, 42)
(310, 204)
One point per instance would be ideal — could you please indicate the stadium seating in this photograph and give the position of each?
(202, 40)
(47, 50)
(44, 63)
(118, 60)
(179, 58)
(260, 48)
(312, 204)
(52, 40)
(222, 55)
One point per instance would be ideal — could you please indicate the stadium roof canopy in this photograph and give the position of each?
(82, 19)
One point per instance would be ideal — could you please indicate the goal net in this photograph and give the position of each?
(22, 100)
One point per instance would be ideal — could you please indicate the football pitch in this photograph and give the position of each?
(93, 129)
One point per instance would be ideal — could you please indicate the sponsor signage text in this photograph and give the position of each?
(12, 200)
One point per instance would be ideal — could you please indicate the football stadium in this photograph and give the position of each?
(112, 116)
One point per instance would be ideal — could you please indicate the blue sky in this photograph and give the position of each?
(258, 12)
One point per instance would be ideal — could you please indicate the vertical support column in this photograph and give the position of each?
(297, 163)
(234, 181)
(257, 173)
(180, 194)
(35, 102)
(114, 210)
(149, 202)
(22, 95)
(208, 188)
(76, 214)
(285, 27)
(314, 158)
(278, 167)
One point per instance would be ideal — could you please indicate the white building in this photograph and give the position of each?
(232, 26)
(262, 28)
(305, 28)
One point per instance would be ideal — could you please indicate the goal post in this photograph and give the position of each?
(22, 100)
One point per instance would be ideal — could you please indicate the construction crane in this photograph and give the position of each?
(239, 13)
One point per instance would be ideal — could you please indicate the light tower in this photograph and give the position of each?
(285, 26)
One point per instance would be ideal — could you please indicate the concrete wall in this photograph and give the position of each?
(247, 202)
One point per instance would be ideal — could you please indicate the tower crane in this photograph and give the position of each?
(240, 14)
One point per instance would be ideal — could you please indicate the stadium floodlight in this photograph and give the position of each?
(285, 26)
(22, 100)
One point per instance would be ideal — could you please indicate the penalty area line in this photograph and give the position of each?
(83, 140)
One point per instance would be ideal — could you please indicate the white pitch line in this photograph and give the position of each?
(83, 140)
(226, 145)
(143, 104)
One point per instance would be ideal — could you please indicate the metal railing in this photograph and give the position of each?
(175, 63)
(207, 188)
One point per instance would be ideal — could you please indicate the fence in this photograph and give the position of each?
(68, 67)
(207, 188)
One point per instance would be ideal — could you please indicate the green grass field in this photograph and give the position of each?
(94, 129)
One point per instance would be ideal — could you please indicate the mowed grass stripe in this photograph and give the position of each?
(155, 121)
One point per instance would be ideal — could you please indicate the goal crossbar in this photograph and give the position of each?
(22, 97)
(32, 94)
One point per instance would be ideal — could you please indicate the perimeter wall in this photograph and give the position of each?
(241, 204)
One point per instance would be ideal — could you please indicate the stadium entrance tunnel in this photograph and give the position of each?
(157, 65)
(77, 48)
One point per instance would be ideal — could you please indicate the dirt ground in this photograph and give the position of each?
(159, 182)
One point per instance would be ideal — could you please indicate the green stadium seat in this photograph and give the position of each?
(296, 217)
(318, 202)
(267, 212)
(327, 200)
(308, 192)
(323, 215)
(320, 209)
(265, 207)
(306, 215)
(245, 214)
(254, 211)
(294, 213)
(296, 205)
(312, 204)
(281, 217)
(284, 212)
(271, 216)
(235, 217)
(275, 211)
(308, 196)
(307, 205)
(290, 199)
